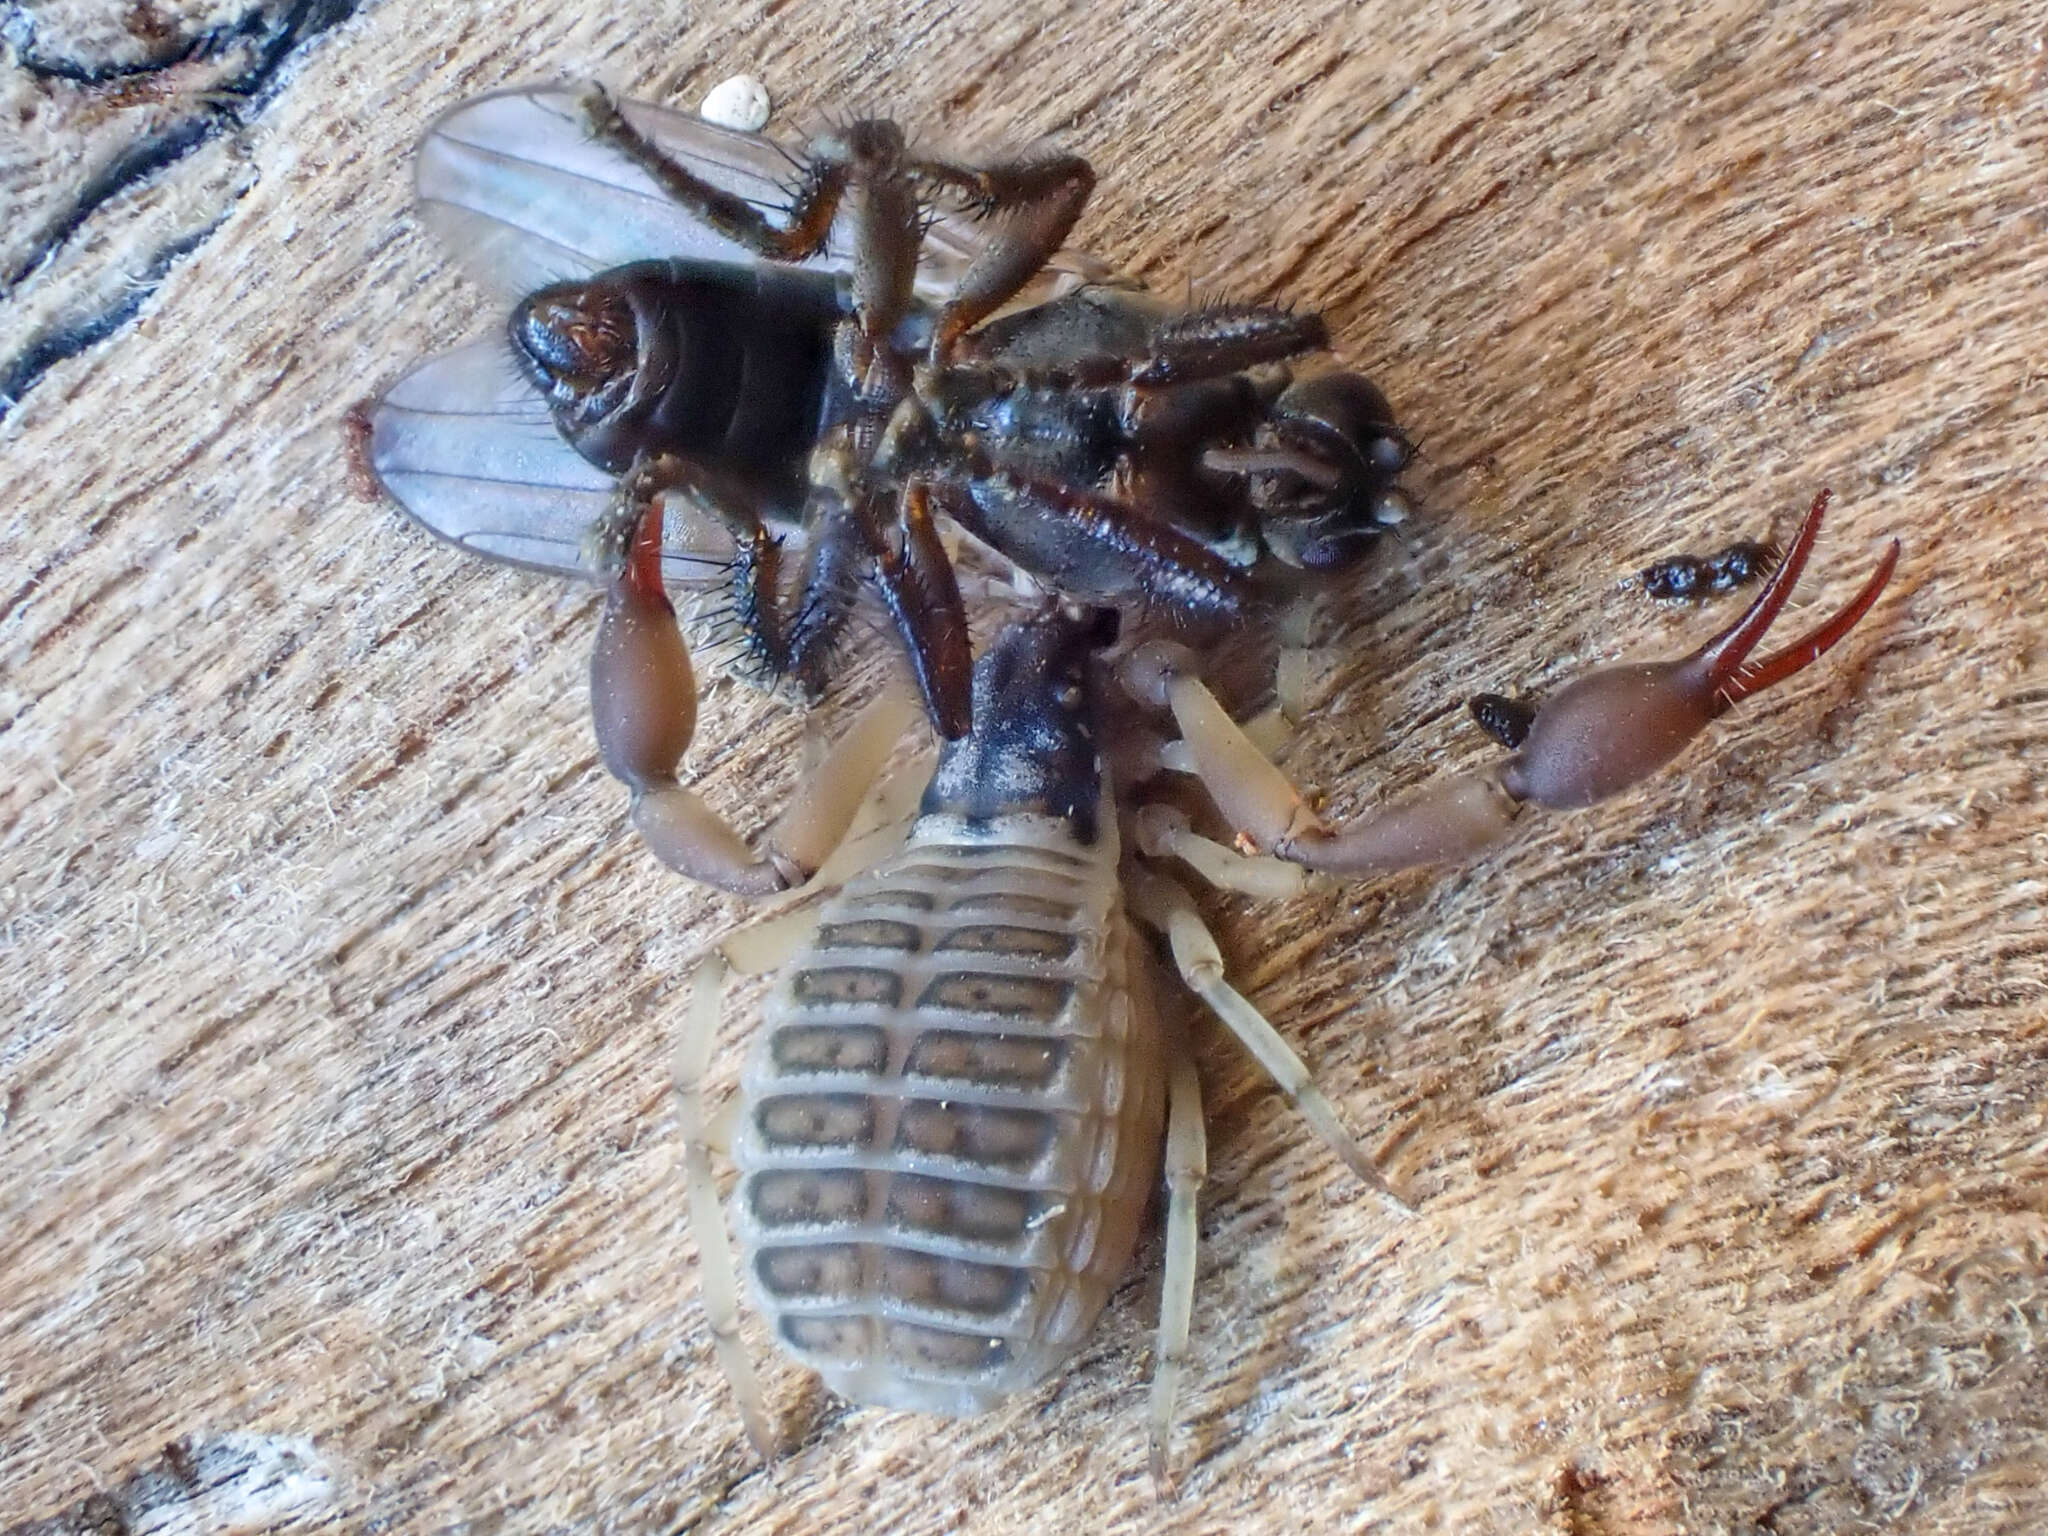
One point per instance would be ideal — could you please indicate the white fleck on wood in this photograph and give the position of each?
(740, 101)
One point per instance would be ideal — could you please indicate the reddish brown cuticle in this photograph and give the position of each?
(1610, 729)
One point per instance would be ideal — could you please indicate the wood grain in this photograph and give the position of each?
(334, 1076)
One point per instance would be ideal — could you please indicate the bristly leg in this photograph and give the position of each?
(807, 222)
(1036, 203)
(791, 635)
(784, 632)
(863, 166)
(827, 585)
(1207, 344)
(1228, 339)
(1105, 549)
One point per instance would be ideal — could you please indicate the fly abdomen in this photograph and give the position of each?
(727, 366)
(944, 1146)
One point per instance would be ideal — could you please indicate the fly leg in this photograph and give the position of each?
(865, 167)
(1178, 349)
(1164, 906)
(1595, 737)
(1187, 1164)
(806, 223)
(1229, 338)
(1035, 203)
(643, 700)
(913, 572)
(795, 641)
(784, 636)
(1101, 547)
(918, 586)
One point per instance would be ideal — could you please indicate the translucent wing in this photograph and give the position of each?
(466, 446)
(523, 196)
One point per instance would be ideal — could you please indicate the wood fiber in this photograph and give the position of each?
(337, 996)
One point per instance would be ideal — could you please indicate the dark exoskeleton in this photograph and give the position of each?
(1112, 447)
(830, 368)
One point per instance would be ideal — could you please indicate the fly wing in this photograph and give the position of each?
(466, 446)
(520, 192)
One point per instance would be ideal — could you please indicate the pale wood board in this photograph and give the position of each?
(338, 998)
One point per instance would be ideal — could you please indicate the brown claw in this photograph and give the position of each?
(1610, 729)
(643, 696)
(643, 704)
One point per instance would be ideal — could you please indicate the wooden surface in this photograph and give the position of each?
(334, 1074)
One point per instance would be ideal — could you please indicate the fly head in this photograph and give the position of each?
(1323, 468)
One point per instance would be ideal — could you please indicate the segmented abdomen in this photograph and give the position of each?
(951, 1119)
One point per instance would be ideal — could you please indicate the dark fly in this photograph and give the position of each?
(836, 354)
